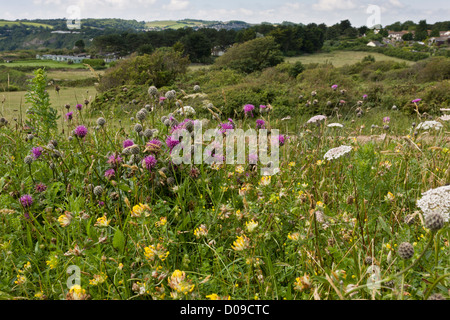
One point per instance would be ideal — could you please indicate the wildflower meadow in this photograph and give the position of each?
(96, 205)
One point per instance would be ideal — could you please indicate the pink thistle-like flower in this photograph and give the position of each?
(128, 143)
(248, 108)
(37, 152)
(260, 124)
(80, 131)
(171, 143)
(69, 115)
(110, 173)
(149, 162)
(40, 187)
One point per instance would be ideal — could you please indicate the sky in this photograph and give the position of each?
(359, 12)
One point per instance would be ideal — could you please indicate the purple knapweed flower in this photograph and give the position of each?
(365, 97)
(171, 143)
(149, 162)
(80, 131)
(249, 108)
(26, 200)
(260, 124)
(40, 187)
(109, 173)
(114, 160)
(37, 152)
(69, 115)
(128, 143)
(281, 140)
(101, 203)
(386, 120)
(79, 106)
(154, 145)
(226, 126)
(334, 86)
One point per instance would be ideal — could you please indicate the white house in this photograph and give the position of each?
(374, 44)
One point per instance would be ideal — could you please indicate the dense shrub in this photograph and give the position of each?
(253, 55)
(160, 68)
(97, 64)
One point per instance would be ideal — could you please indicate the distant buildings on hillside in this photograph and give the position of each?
(75, 59)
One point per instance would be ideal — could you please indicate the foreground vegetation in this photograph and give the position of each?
(97, 190)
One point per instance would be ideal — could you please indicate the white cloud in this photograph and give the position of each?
(330, 5)
(396, 3)
(176, 5)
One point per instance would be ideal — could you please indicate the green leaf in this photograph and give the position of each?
(384, 226)
(119, 240)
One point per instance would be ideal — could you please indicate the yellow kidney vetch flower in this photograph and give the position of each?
(241, 243)
(98, 279)
(65, 219)
(76, 293)
(179, 283)
(265, 180)
(140, 209)
(251, 225)
(151, 252)
(102, 222)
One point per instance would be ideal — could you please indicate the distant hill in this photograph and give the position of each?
(41, 34)
(195, 24)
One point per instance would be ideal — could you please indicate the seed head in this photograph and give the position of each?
(101, 121)
(98, 191)
(28, 159)
(406, 251)
(141, 115)
(138, 127)
(434, 221)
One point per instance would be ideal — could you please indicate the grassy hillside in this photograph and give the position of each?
(341, 58)
(33, 24)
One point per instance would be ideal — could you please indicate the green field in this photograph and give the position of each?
(342, 58)
(33, 24)
(49, 64)
(172, 24)
(14, 102)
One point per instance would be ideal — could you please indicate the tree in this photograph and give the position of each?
(421, 31)
(408, 37)
(80, 45)
(197, 46)
(253, 55)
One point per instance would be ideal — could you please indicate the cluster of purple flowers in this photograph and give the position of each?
(260, 124)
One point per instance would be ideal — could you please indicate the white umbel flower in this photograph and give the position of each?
(337, 152)
(331, 125)
(188, 110)
(317, 119)
(445, 117)
(436, 200)
(427, 125)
